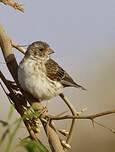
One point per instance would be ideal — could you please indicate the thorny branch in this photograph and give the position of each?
(90, 117)
(48, 127)
(20, 100)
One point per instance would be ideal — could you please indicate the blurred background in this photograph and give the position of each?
(82, 33)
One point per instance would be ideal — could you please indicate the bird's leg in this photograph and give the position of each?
(73, 111)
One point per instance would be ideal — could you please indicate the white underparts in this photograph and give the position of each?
(32, 79)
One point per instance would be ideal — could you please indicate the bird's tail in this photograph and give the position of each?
(79, 86)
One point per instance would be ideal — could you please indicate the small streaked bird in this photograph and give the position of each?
(40, 75)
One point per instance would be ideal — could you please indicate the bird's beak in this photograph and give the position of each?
(50, 51)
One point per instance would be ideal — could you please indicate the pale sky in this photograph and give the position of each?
(82, 33)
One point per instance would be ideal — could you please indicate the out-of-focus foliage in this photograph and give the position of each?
(10, 132)
(33, 146)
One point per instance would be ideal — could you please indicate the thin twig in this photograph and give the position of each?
(73, 111)
(91, 117)
(20, 49)
(101, 125)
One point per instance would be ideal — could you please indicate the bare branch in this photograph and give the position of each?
(91, 117)
(13, 4)
(73, 111)
(6, 47)
(20, 49)
(101, 125)
(20, 100)
(54, 139)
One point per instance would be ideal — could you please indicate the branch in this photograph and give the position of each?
(18, 100)
(55, 143)
(91, 117)
(18, 47)
(12, 65)
(5, 44)
(52, 135)
(13, 4)
(73, 111)
(70, 106)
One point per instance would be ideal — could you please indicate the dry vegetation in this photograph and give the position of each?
(30, 115)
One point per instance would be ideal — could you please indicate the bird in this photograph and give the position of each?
(40, 75)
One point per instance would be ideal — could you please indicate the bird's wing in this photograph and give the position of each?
(56, 73)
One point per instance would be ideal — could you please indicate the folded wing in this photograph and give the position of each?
(56, 73)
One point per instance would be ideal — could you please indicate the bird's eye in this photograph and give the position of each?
(40, 49)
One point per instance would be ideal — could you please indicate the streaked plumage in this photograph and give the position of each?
(56, 73)
(40, 75)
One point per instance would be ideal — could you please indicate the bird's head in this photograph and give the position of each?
(39, 49)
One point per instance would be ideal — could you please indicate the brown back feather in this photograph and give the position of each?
(56, 73)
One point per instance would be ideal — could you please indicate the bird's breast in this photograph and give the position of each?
(33, 79)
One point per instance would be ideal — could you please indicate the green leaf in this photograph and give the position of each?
(11, 110)
(4, 135)
(4, 123)
(33, 146)
(12, 134)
